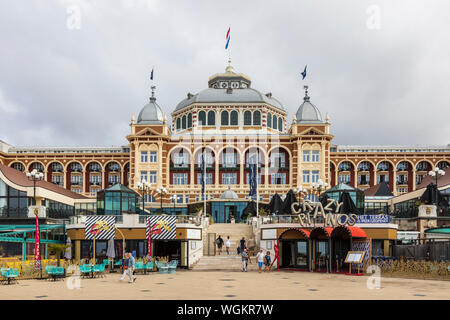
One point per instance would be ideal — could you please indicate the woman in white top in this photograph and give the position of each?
(228, 245)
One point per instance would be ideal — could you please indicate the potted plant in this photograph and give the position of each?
(57, 249)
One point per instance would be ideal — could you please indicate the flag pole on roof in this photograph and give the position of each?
(227, 44)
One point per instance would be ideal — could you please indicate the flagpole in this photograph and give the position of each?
(204, 182)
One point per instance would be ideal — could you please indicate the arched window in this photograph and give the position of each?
(18, 166)
(224, 116)
(189, 124)
(256, 118)
(202, 118)
(280, 124)
(37, 166)
(269, 120)
(274, 122)
(183, 122)
(234, 118)
(247, 118)
(178, 124)
(383, 166)
(211, 118)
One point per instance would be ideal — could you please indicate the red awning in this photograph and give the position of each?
(327, 231)
(357, 232)
(305, 232)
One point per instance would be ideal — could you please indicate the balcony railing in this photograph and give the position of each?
(95, 183)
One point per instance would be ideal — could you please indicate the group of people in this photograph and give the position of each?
(243, 251)
(128, 267)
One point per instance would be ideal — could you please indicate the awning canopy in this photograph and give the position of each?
(348, 231)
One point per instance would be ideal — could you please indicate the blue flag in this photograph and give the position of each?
(151, 75)
(253, 172)
(304, 73)
(202, 175)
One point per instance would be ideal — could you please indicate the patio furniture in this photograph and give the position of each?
(162, 267)
(149, 266)
(140, 266)
(99, 270)
(85, 270)
(172, 266)
(55, 272)
(9, 274)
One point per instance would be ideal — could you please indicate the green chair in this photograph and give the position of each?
(140, 266)
(11, 274)
(172, 266)
(162, 267)
(85, 270)
(99, 269)
(149, 266)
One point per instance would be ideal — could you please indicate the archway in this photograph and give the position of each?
(295, 249)
(320, 248)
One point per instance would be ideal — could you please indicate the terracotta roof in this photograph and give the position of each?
(21, 179)
(379, 190)
(442, 181)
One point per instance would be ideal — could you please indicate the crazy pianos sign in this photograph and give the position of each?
(311, 213)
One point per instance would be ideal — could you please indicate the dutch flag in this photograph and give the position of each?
(228, 39)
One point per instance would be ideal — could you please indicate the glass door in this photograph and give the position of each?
(302, 254)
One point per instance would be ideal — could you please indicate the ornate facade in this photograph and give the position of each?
(232, 125)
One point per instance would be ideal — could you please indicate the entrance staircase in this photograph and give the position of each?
(224, 262)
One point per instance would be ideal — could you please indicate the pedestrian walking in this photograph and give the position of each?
(124, 266)
(131, 267)
(267, 261)
(228, 245)
(244, 256)
(219, 242)
(260, 258)
(242, 242)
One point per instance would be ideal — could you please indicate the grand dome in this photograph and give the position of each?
(307, 112)
(151, 113)
(229, 87)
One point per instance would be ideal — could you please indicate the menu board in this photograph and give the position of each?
(355, 257)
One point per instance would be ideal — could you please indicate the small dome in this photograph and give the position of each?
(307, 112)
(151, 113)
(229, 195)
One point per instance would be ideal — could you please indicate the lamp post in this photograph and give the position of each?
(437, 173)
(161, 191)
(173, 198)
(143, 186)
(36, 176)
(318, 186)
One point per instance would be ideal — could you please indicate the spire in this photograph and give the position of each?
(152, 98)
(306, 98)
(229, 68)
(327, 118)
(132, 118)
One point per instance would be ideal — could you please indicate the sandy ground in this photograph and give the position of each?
(281, 285)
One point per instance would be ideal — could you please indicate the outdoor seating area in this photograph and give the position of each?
(166, 268)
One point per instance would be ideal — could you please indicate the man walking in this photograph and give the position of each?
(219, 242)
(131, 267)
(242, 243)
(244, 260)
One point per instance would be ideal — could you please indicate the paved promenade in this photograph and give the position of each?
(230, 285)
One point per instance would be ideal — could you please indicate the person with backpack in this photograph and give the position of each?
(228, 245)
(219, 242)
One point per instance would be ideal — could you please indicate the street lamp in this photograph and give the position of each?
(161, 191)
(437, 173)
(143, 186)
(36, 176)
(318, 186)
(173, 198)
(299, 190)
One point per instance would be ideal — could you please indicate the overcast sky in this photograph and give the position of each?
(381, 69)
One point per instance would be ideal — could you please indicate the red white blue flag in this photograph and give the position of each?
(228, 38)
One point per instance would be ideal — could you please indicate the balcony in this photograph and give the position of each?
(402, 182)
(76, 169)
(95, 183)
(76, 183)
(57, 170)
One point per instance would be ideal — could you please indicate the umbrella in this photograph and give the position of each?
(429, 196)
(68, 253)
(348, 206)
(110, 252)
(276, 204)
(288, 201)
(250, 210)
